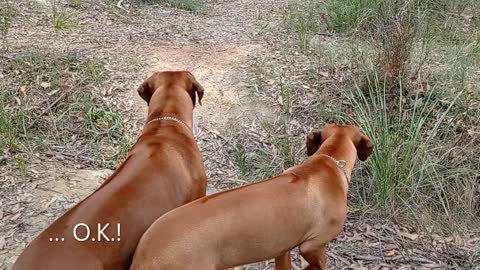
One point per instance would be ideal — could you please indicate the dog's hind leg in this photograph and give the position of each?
(283, 262)
(314, 255)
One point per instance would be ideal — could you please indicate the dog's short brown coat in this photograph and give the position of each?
(305, 206)
(163, 170)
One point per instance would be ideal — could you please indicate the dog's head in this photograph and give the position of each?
(171, 80)
(363, 145)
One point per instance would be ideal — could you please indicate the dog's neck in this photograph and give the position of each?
(173, 103)
(340, 148)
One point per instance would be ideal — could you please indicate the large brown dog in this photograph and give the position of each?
(163, 170)
(305, 206)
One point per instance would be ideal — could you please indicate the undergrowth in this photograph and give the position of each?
(48, 103)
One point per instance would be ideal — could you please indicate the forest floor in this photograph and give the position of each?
(242, 54)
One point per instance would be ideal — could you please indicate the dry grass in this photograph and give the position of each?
(48, 103)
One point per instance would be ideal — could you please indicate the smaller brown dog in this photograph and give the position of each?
(305, 206)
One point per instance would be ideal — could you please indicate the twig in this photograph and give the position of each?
(222, 137)
(69, 155)
(119, 5)
(49, 189)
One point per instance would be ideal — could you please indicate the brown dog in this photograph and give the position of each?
(305, 206)
(163, 170)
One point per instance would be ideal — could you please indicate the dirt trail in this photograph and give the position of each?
(215, 70)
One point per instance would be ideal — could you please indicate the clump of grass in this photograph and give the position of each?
(343, 15)
(48, 102)
(7, 13)
(190, 5)
(61, 19)
(410, 166)
(104, 123)
(262, 155)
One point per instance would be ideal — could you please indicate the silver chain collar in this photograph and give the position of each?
(172, 118)
(340, 164)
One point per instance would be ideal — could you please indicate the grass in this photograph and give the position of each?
(305, 20)
(48, 103)
(190, 5)
(260, 155)
(344, 15)
(411, 166)
(61, 19)
(7, 13)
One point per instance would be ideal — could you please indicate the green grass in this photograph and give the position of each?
(344, 15)
(410, 167)
(304, 18)
(61, 19)
(7, 13)
(48, 101)
(190, 5)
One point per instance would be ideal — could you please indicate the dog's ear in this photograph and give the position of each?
(197, 88)
(364, 148)
(314, 140)
(144, 91)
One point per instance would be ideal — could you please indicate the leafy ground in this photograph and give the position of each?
(69, 113)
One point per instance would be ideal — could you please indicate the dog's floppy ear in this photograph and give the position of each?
(197, 88)
(314, 140)
(144, 91)
(364, 148)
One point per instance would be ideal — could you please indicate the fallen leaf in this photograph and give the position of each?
(45, 84)
(23, 89)
(411, 236)
(324, 73)
(15, 217)
(390, 253)
(280, 100)
(2, 242)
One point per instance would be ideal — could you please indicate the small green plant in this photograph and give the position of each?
(104, 123)
(61, 19)
(7, 13)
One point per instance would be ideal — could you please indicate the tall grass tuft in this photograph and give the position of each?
(61, 19)
(410, 165)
